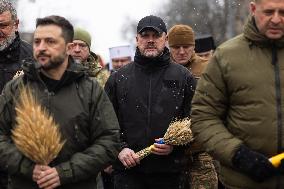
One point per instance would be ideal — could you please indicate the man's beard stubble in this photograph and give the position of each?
(8, 41)
(155, 54)
(54, 63)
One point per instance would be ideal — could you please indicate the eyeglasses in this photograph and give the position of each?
(6, 25)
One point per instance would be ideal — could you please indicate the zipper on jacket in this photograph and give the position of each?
(278, 98)
(49, 95)
(148, 132)
(278, 105)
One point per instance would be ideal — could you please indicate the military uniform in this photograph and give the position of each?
(201, 172)
(95, 70)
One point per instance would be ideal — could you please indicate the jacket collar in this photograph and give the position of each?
(192, 59)
(152, 63)
(73, 72)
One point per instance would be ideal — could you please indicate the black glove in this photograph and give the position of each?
(281, 167)
(253, 164)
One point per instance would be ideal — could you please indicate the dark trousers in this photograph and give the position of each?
(134, 180)
(107, 180)
(3, 180)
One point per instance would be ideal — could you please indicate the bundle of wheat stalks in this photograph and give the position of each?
(36, 134)
(178, 133)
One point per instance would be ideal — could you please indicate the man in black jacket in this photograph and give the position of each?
(12, 51)
(147, 95)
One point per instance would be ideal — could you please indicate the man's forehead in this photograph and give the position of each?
(205, 52)
(184, 46)
(48, 31)
(5, 16)
(149, 31)
(78, 41)
(121, 58)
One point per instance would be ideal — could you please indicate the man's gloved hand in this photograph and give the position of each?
(281, 167)
(253, 164)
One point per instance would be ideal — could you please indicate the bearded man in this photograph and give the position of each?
(147, 95)
(12, 49)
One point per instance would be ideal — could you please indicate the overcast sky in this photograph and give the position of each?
(104, 19)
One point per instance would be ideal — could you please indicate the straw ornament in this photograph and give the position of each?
(178, 133)
(18, 73)
(36, 134)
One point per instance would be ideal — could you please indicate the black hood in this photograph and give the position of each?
(160, 61)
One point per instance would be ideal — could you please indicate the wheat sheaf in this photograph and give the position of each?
(36, 134)
(178, 133)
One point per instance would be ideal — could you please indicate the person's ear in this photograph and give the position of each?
(16, 24)
(252, 8)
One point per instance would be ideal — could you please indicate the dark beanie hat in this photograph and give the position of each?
(83, 35)
(181, 35)
(204, 43)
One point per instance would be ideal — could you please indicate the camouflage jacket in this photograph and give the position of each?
(95, 70)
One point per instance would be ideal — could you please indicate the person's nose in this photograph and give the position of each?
(151, 39)
(120, 63)
(77, 48)
(276, 18)
(181, 50)
(41, 46)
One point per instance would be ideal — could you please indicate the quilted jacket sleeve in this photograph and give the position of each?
(104, 133)
(209, 107)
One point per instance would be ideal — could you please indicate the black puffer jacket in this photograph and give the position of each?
(147, 95)
(11, 59)
(86, 120)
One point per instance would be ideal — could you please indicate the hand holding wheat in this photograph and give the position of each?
(178, 133)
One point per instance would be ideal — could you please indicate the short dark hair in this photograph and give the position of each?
(6, 5)
(63, 23)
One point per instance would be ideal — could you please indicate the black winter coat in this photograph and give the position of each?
(10, 63)
(11, 59)
(147, 95)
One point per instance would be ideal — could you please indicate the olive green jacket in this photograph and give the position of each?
(236, 103)
(86, 120)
